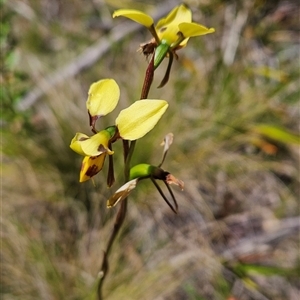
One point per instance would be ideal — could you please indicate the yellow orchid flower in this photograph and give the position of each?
(131, 124)
(170, 34)
(167, 28)
(91, 146)
(94, 149)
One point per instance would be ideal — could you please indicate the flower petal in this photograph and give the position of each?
(122, 193)
(193, 29)
(91, 166)
(139, 118)
(76, 143)
(103, 97)
(135, 15)
(177, 15)
(97, 144)
(167, 28)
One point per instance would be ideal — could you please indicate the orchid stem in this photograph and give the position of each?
(128, 152)
(148, 78)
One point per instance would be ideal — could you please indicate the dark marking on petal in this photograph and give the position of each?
(92, 171)
(101, 149)
(163, 29)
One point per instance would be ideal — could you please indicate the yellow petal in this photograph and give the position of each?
(135, 15)
(193, 29)
(167, 28)
(97, 144)
(91, 166)
(139, 118)
(183, 43)
(103, 97)
(76, 143)
(178, 15)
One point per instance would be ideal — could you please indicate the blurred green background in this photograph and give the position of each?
(234, 111)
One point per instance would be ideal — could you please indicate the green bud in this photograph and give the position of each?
(141, 170)
(146, 171)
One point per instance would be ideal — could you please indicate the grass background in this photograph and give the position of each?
(234, 111)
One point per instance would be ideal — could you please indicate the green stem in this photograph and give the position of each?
(128, 152)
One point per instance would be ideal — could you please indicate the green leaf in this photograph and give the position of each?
(266, 270)
(277, 134)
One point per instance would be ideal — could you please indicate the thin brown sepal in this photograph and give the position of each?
(167, 75)
(163, 196)
(172, 195)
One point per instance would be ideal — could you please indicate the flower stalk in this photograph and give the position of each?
(127, 153)
(169, 35)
